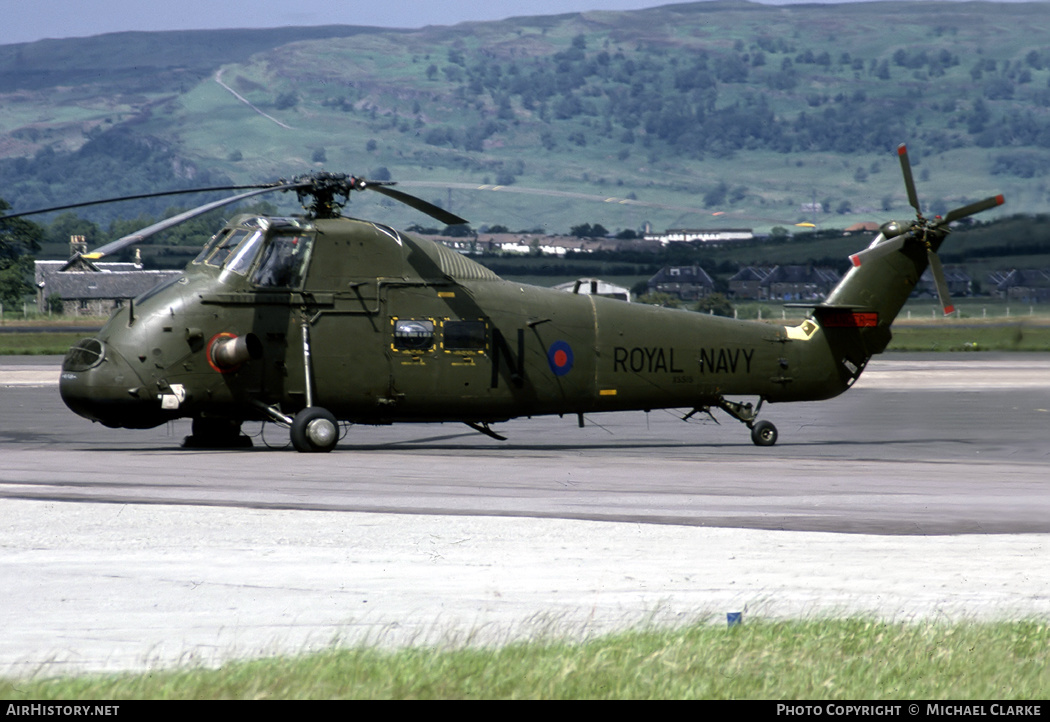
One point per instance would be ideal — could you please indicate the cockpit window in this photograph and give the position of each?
(244, 254)
(225, 246)
(210, 246)
(86, 353)
(283, 261)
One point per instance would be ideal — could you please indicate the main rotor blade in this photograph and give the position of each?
(972, 208)
(139, 197)
(419, 204)
(167, 223)
(942, 285)
(909, 180)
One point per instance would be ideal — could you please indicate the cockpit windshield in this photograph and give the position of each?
(209, 247)
(219, 247)
(272, 252)
(244, 254)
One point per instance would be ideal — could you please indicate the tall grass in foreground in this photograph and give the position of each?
(829, 659)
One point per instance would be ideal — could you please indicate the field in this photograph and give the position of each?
(715, 114)
(42, 336)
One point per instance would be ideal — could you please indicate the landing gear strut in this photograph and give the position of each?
(313, 428)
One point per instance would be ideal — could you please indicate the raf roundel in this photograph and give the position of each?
(560, 357)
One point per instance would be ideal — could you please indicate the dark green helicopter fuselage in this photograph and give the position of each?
(377, 326)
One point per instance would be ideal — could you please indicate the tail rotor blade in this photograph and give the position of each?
(942, 285)
(909, 180)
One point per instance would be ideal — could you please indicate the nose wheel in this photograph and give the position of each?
(314, 430)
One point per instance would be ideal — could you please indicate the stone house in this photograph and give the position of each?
(85, 287)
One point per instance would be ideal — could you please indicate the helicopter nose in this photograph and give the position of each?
(99, 384)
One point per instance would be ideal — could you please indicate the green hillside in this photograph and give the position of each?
(695, 115)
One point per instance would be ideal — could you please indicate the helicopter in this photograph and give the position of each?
(320, 318)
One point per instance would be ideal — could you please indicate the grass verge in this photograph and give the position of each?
(49, 337)
(43, 343)
(37, 344)
(817, 659)
(976, 336)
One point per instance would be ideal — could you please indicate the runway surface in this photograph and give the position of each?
(921, 493)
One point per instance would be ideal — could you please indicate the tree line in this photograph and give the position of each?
(719, 102)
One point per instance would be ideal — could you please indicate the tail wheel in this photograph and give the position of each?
(314, 430)
(764, 433)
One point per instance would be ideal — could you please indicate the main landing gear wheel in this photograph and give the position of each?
(314, 430)
(764, 433)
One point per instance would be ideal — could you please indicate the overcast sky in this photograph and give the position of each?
(28, 20)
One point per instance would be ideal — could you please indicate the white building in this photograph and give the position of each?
(679, 235)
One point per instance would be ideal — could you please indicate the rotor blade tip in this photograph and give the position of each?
(902, 149)
(1000, 199)
(855, 260)
(949, 310)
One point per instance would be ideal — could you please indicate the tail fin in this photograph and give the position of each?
(867, 300)
(854, 320)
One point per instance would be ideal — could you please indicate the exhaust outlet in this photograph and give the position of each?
(228, 352)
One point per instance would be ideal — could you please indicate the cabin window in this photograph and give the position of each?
(465, 336)
(283, 261)
(413, 334)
